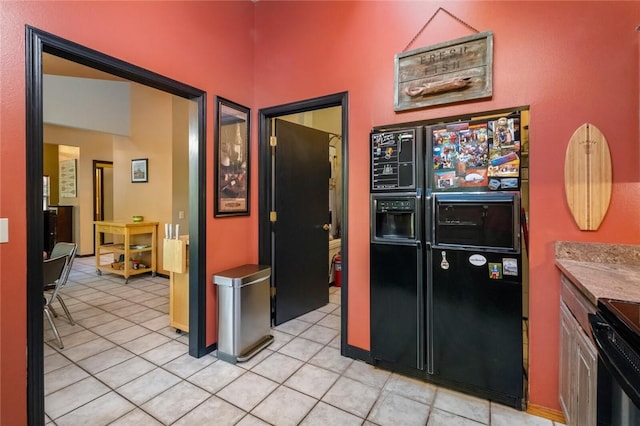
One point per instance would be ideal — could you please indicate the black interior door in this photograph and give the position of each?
(301, 246)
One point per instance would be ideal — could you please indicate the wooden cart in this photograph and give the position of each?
(138, 241)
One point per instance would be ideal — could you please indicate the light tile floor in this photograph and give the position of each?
(123, 365)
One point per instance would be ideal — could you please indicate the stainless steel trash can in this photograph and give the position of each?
(244, 312)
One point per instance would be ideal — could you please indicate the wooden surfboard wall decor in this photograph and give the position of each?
(587, 177)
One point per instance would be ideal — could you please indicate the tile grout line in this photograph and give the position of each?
(164, 369)
(112, 292)
(111, 389)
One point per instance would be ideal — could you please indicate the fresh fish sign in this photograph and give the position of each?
(453, 71)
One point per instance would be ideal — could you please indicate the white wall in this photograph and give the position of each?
(180, 165)
(160, 133)
(151, 138)
(92, 146)
(85, 103)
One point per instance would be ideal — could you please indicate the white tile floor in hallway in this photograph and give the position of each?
(123, 365)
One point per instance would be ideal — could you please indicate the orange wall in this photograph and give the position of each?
(207, 45)
(572, 62)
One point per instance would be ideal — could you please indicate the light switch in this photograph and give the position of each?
(4, 230)
(181, 214)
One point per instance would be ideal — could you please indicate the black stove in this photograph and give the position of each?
(616, 331)
(625, 317)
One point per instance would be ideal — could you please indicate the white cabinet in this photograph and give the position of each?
(567, 344)
(578, 371)
(586, 379)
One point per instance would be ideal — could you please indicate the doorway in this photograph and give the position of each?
(286, 215)
(38, 43)
(103, 196)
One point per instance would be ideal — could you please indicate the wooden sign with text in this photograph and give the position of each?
(453, 71)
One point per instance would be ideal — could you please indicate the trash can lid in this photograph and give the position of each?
(242, 275)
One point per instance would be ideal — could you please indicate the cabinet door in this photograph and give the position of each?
(50, 232)
(567, 326)
(64, 224)
(586, 369)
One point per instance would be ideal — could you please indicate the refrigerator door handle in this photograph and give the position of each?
(420, 308)
(427, 313)
(427, 220)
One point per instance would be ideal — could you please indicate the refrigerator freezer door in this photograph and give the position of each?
(397, 306)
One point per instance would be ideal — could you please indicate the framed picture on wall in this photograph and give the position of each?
(140, 170)
(232, 130)
(67, 179)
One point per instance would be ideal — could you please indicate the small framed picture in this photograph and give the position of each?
(139, 170)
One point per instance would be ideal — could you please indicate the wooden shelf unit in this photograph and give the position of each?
(128, 247)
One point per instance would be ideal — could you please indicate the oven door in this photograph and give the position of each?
(618, 376)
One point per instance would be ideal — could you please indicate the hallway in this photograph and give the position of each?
(123, 365)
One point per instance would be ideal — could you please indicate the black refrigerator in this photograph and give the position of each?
(446, 269)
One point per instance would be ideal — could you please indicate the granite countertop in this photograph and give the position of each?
(601, 271)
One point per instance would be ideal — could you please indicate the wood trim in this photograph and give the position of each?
(35, 229)
(344, 233)
(197, 241)
(547, 413)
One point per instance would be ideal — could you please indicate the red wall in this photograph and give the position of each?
(572, 62)
(207, 45)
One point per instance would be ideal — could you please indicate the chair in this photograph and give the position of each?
(52, 272)
(62, 249)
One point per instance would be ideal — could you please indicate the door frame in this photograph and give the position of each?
(265, 118)
(99, 165)
(37, 43)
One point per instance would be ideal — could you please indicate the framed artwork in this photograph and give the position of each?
(67, 179)
(454, 71)
(46, 184)
(232, 130)
(140, 170)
